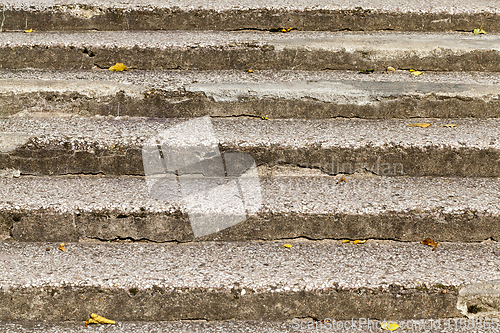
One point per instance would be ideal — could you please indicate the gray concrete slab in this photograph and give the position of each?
(333, 15)
(240, 281)
(46, 146)
(452, 325)
(273, 94)
(294, 204)
(251, 50)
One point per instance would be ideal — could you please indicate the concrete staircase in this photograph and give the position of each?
(322, 109)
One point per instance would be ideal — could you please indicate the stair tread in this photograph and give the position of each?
(284, 190)
(258, 266)
(452, 325)
(422, 44)
(401, 5)
(250, 132)
(171, 80)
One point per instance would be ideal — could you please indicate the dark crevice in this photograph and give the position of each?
(99, 173)
(238, 116)
(88, 52)
(308, 238)
(133, 240)
(474, 309)
(265, 30)
(307, 318)
(249, 29)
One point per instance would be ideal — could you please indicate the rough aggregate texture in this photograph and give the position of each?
(319, 194)
(451, 325)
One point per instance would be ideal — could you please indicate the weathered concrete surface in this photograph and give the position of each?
(451, 325)
(254, 50)
(301, 204)
(240, 281)
(282, 94)
(329, 15)
(480, 300)
(384, 147)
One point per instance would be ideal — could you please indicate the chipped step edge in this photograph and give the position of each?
(10, 173)
(480, 300)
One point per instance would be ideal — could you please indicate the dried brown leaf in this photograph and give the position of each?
(430, 242)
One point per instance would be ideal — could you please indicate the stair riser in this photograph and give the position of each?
(158, 304)
(185, 104)
(242, 58)
(65, 19)
(46, 225)
(88, 158)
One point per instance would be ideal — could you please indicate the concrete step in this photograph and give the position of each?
(294, 203)
(213, 50)
(52, 146)
(245, 281)
(451, 325)
(273, 94)
(408, 15)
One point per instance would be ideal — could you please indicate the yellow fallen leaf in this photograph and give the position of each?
(345, 241)
(28, 31)
(249, 71)
(367, 71)
(389, 326)
(118, 67)
(449, 125)
(287, 246)
(96, 319)
(265, 118)
(61, 247)
(281, 30)
(342, 180)
(357, 241)
(479, 31)
(391, 69)
(91, 321)
(423, 125)
(415, 72)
